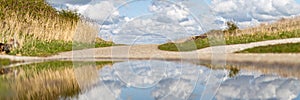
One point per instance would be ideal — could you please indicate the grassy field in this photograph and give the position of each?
(41, 30)
(47, 48)
(280, 48)
(41, 81)
(282, 29)
(241, 39)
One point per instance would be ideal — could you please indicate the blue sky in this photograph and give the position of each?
(138, 8)
(135, 9)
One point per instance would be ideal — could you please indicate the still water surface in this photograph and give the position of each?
(164, 80)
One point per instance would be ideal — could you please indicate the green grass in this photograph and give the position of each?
(280, 48)
(57, 65)
(47, 48)
(246, 38)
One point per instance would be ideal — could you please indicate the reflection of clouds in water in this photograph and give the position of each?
(99, 92)
(180, 87)
(168, 80)
(172, 81)
(261, 87)
(141, 74)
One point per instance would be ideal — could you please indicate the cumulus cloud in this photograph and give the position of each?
(100, 11)
(150, 30)
(247, 11)
(168, 22)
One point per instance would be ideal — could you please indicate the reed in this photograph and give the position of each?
(34, 22)
(36, 19)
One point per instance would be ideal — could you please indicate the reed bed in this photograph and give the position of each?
(32, 22)
(282, 25)
(35, 19)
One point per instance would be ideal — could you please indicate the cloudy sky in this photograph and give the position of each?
(159, 21)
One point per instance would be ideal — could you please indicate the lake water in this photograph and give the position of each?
(164, 80)
(148, 80)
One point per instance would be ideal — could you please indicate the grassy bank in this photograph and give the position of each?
(49, 80)
(241, 39)
(41, 30)
(282, 29)
(280, 48)
(47, 48)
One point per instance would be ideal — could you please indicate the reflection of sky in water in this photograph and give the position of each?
(151, 80)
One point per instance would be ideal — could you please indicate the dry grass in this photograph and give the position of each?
(42, 30)
(36, 19)
(25, 20)
(282, 25)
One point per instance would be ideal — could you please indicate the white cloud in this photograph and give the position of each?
(100, 11)
(79, 8)
(245, 11)
(167, 22)
(145, 28)
(174, 11)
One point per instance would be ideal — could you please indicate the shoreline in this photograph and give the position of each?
(216, 54)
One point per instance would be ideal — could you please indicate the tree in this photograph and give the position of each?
(231, 26)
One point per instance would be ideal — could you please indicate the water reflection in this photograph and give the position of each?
(151, 80)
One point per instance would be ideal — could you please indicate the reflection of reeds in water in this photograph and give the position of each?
(281, 70)
(48, 81)
(46, 84)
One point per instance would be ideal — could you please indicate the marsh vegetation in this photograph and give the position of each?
(41, 30)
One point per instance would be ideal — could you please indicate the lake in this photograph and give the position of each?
(148, 80)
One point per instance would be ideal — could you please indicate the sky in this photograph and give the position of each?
(160, 21)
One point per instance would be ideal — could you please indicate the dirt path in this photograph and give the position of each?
(217, 53)
(152, 51)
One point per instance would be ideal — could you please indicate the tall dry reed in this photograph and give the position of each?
(24, 20)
